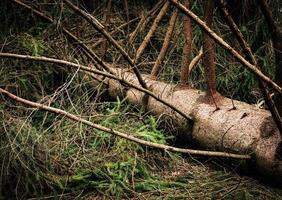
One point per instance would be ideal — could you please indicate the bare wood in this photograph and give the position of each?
(249, 54)
(187, 34)
(96, 24)
(225, 45)
(167, 39)
(195, 60)
(151, 32)
(126, 136)
(117, 77)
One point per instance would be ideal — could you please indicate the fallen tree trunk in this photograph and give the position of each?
(244, 129)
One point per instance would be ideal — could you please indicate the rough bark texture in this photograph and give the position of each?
(184, 75)
(209, 51)
(245, 130)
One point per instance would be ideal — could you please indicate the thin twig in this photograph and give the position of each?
(106, 20)
(88, 51)
(96, 24)
(142, 24)
(118, 133)
(114, 31)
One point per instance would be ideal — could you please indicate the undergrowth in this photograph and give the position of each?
(43, 155)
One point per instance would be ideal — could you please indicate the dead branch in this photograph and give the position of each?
(115, 31)
(96, 24)
(126, 136)
(167, 39)
(151, 32)
(144, 20)
(226, 46)
(196, 59)
(187, 34)
(118, 77)
(249, 54)
(142, 23)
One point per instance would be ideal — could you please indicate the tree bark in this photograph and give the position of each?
(187, 34)
(209, 51)
(245, 130)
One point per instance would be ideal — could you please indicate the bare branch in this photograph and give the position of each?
(96, 24)
(187, 34)
(151, 32)
(168, 36)
(209, 51)
(106, 20)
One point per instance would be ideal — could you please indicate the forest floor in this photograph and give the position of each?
(46, 156)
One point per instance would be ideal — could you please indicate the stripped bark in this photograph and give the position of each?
(244, 130)
(151, 32)
(187, 34)
(226, 46)
(169, 33)
(248, 52)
